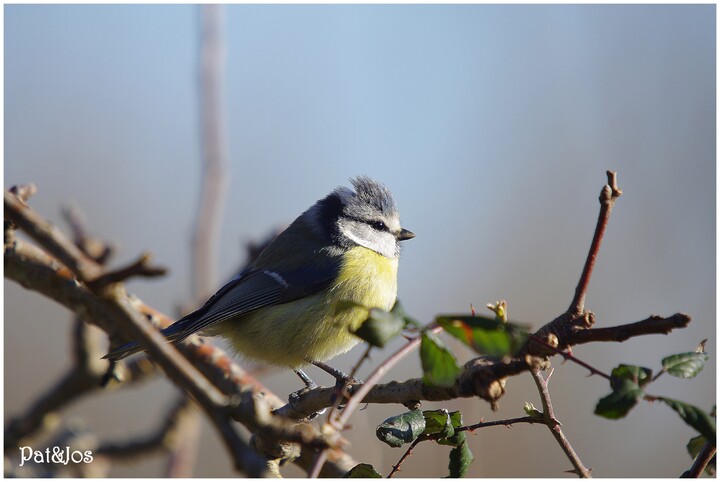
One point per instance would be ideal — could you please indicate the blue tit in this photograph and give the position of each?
(282, 309)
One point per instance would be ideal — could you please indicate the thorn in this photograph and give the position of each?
(701, 347)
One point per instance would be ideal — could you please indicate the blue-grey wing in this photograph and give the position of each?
(250, 290)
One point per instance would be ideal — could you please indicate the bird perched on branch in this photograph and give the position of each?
(282, 309)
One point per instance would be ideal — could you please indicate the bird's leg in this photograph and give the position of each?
(294, 397)
(309, 384)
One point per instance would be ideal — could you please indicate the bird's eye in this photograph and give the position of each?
(379, 225)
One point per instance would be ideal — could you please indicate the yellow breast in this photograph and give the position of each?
(367, 278)
(310, 329)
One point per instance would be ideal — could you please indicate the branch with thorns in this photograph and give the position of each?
(63, 272)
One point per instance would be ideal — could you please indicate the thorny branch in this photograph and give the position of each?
(339, 422)
(487, 379)
(469, 428)
(554, 425)
(110, 309)
(396, 467)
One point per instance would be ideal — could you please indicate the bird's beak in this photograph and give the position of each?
(405, 234)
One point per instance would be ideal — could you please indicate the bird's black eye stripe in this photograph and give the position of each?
(379, 225)
(376, 224)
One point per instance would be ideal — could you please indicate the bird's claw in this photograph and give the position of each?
(340, 389)
(295, 397)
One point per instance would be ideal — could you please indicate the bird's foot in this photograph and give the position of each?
(344, 387)
(295, 397)
(341, 382)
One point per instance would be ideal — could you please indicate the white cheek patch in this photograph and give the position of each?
(382, 243)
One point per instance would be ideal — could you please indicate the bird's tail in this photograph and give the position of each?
(124, 351)
(173, 333)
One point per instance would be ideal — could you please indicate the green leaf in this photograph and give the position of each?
(438, 363)
(457, 437)
(624, 397)
(685, 365)
(460, 459)
(693, 416)
(486, 336)
(638, 375)
(456, 419)
(442, 424)
(438, 423)
(380, 327)
(694, 446)
(362, 471)
(401, 429)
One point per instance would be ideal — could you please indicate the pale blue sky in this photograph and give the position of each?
(493, 126)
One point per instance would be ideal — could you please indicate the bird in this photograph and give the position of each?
(284, 308)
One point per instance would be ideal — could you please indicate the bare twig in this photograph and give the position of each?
(95, 248)
(24, 192)
(212, 55)
(50, 237)
(183, 455)
(506, 422)
(140, 267)
(654, 325)
(608, 196)
(555, 426)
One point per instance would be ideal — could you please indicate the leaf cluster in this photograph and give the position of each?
(628, 384)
